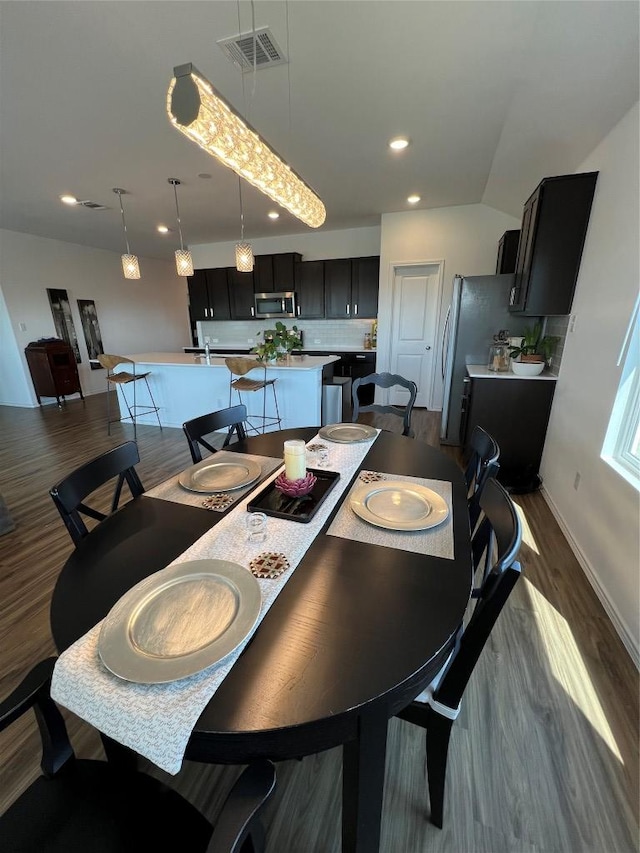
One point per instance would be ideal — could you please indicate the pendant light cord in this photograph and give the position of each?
(124, 224)
(241, 210)
(175, 192)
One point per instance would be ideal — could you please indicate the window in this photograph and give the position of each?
(621, 448)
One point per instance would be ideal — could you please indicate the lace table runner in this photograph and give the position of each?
(171, 490)
(435, 541)
(156, 720)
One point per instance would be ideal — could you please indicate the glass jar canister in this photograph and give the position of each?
(499, 358)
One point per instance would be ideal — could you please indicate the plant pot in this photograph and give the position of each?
(527, 368)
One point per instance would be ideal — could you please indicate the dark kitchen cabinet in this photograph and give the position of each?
(241, 292)
(208, 295)
(554, 227)
(53, 368)
(356, 365)
(507, 252)
(275, 272)
(309, 288)
(351, 287)
(516, 413)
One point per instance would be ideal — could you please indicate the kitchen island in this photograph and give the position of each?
(185, 386)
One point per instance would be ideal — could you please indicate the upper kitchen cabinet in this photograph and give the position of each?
(241, 292)
(275, 272)
(554, 226)
(351, 287)
(365, 279)
(208, 295)
(309, 288)
(507, 252)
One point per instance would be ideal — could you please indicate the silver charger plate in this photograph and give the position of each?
(222, 472)
(347, 433)
(179, 621)
(399, 505)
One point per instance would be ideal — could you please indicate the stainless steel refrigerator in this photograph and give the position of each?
(478, 310)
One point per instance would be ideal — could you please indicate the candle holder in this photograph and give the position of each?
(295, 488)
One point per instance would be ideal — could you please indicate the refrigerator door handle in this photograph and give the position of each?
(445, 340)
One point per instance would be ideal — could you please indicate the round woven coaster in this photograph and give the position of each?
(269, 565)
(218, 502)
(370, 476)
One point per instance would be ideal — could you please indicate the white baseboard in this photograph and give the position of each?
(612, 611)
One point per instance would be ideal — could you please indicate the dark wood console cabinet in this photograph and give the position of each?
(53, 369)
(554, 227)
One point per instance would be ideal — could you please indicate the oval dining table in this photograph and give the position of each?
(356, 633)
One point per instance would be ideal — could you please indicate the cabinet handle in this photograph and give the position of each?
(206, 312)
(282, 305)
(253, 312)
(355, 309)
(362, 357)
(348, 309)
(298, 310)
(512, 296)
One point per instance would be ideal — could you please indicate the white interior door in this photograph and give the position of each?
(416, 295)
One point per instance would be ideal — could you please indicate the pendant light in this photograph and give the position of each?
(204, 116)
(130, 265)
(244, 252)
(184, 261)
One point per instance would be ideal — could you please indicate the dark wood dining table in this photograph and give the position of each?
(356, 633)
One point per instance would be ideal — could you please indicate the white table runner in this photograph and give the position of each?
(171, 490)
(435, 541)
(156, 720)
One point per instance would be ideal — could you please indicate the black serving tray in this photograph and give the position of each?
(272, 502)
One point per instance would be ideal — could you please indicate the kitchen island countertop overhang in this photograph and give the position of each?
(186, 386)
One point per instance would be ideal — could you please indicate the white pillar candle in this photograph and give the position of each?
(295, 460)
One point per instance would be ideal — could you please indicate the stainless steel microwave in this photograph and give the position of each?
(269, 305)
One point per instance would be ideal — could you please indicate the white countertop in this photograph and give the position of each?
(181, 359)
(481, 371)
(244, 348)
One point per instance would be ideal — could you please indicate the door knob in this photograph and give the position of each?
(427, 347)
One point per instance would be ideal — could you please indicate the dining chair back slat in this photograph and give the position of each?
(196, 429)
(482, 465)
(385, 380)
(497, 536)
(70, 493)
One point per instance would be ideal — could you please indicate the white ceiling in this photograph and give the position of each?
(493, 95)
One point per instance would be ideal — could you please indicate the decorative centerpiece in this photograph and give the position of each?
(295, 488)
(295, 481)
(534, 352)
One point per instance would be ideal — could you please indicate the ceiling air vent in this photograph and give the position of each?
(242, 48)
(92, 205)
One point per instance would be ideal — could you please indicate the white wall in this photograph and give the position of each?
(602, 516)
(464, 237)
(135, 316)
(312, 245)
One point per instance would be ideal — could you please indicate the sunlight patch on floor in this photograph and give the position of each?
(567, 665)
(527, 534)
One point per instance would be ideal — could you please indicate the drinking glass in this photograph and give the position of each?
(256, 524)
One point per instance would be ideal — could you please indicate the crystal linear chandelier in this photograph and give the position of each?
(184, 262)
(205, 117)
(130, 265)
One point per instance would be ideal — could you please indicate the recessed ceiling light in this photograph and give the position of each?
(163, 229)
(413, 199)
(273, 214)
(399, 143)
(68, 199)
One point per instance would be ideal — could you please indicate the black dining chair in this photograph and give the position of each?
(69, 494)
(436, 708)
(80, 805)
(195, 429)
(385, 380)
(482, 465)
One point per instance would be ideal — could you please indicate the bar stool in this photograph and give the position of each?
(239, 367)
(109, 362)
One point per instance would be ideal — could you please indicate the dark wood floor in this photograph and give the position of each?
(544, 756)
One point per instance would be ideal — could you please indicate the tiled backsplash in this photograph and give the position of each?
(323, 334)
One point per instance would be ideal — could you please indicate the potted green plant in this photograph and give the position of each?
(531, 357)
(278, 342)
